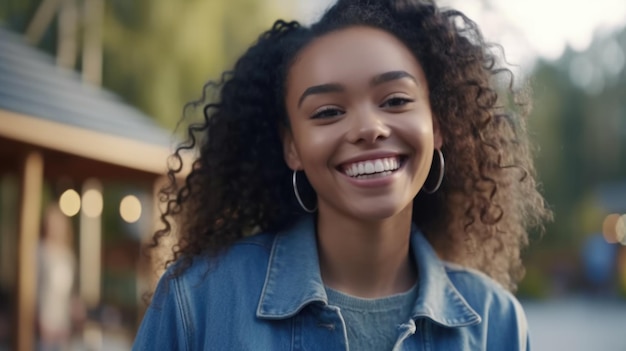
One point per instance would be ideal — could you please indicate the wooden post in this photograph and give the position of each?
(90, 258)
(30, 218)
(93, 13)
(42, 19)
(67, 43)
(90, 249)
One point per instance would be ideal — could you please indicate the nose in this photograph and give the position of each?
(368, 126)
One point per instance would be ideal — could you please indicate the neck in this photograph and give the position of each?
(366, 259)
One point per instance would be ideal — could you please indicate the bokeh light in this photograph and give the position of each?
(69, 202)
(609, 228)
(130, 209)
(92, 203)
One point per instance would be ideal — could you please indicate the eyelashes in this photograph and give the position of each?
(327, 112)
(396, 102)
(392, 103)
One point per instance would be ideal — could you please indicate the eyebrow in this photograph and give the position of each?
(337, 88)
(321, 89)
(389, 76)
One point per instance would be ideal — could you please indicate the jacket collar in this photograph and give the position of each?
(293, 279)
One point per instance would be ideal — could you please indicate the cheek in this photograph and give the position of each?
(426, 133)
(417, 130)
(316, 144)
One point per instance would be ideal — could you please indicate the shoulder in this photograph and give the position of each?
(200, 296)
(474, 284)
(247, 256)
(205, 279)
(502, 313)
(480, 291)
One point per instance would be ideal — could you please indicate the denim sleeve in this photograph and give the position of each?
(508, 323)
(522, 326)
(163, 325)
(504, 325)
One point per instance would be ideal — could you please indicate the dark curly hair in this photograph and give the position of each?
(240, 184)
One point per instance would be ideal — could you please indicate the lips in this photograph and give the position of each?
(371, 168)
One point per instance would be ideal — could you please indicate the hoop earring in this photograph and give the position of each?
(295, 191)
(441, 171)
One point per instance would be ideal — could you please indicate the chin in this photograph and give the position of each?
(378, 212)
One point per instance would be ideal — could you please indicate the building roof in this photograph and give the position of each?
(32, 84)
(51, 108)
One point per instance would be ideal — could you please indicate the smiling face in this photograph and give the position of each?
(360, 123)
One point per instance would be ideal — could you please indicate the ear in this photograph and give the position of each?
(437, 137)
(290, 153)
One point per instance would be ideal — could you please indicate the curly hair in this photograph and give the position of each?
(240, 184)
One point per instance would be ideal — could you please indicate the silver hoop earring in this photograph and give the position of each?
(295, 191)
(441, 171)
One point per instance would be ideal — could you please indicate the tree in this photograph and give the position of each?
(580, 123)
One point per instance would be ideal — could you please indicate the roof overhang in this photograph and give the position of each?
(110, 149)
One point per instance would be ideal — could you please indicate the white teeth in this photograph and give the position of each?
(371, 168)
(378, 165)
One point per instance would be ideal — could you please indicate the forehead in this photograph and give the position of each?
(351, 55)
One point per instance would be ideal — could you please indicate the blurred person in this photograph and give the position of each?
(57, 269)
(599, 259)
(321, 213)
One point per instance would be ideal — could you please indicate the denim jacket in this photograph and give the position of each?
(266, 293)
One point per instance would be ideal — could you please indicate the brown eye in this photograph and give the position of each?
(396, 102)
(328, 112)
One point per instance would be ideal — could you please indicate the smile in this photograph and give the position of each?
(372, 168)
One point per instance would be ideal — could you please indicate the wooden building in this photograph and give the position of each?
(54, 126)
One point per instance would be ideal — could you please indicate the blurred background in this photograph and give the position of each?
(92, 90)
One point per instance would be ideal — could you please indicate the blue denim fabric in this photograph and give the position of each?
(266, 293)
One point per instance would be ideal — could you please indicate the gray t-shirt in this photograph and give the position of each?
(372, 324)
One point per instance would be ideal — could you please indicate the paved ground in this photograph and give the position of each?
(577, 324)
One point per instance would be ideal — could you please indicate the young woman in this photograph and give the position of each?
(362, 184)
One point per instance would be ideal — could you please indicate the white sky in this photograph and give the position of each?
(527, 28)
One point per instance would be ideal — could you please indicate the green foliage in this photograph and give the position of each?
(579, 121)
(535, 284)
(159, 53)
(16, 14)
